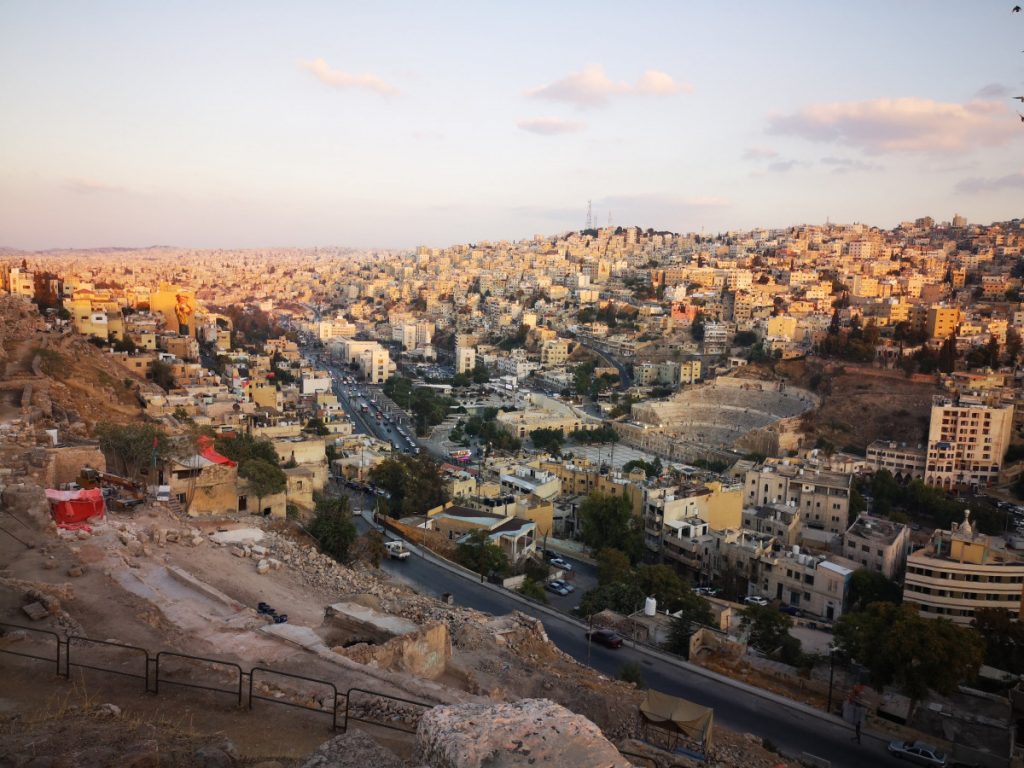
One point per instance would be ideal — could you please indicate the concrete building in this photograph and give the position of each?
(554, 352)
(878, 545)
(941, 321)
(465, 359)
(961, 571)
(900, 460)
(967, 439)
(812, 583)
(822, 498)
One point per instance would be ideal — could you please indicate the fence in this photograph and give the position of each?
(215, 675)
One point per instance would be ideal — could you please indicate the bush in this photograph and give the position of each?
(332, 526)
(632, 672)
(533, 590)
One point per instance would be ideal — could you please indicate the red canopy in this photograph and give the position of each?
(75, 506)
(207, 451)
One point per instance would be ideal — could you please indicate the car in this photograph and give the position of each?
(562, 584)
(918, 752)
(606, 637)
(558, 587)
(755, 600)
(557, 562)
(790, 610)
(706, 591)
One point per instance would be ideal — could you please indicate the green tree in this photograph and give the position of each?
(613, 565)
(373, 546)
(900, 647)
(163, 375)
(241, 446)
(534, 590)
(317, 427)
(694, 611)
(478, 553)
(130, 448)
(1004, 638)
(413, 483)
(265, 479)
(633, 672)
(663, 584)
(480, 374)
(767, 627)
(621, 597)
(867, 587)
(332, 526)
(607, 519)
(550, 440)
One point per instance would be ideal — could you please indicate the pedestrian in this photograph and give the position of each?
(856, 726)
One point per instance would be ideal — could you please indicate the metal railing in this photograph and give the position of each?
(156, 671)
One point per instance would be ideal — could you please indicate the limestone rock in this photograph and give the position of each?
(530, 732)
(353, 750)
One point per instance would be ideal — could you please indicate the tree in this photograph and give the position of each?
(621, 597)
(767, 627)
(947, 355)
(633, 672)
(663, 584)
(693, 612)
(373, 545)
(1004, 639)
(612, 566)
(413, 483)
(481, 375)
(534, 590)
(867, 587)
(549, 440)
(265, 479)
(332, 526)
(899, 646)
(242, 446)
(1013, 345)
(479, 554)
(163, 375)
(607, 519)
(129, 448)
(317, 427)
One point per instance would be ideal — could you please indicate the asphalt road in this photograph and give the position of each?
(792, 730)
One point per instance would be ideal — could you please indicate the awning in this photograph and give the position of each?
(671, 713)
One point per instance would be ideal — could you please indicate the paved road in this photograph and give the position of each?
(793, 731)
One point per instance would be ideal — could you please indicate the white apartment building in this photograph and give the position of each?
(877, 544)
(465, 359)
(822, 498)
(967, 439)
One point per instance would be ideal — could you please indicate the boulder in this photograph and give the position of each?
(530, 732)
(353, 750)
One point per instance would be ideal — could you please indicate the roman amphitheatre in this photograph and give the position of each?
(720, 418)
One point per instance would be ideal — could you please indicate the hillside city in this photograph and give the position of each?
(778, 474)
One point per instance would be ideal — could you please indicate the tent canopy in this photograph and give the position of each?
(70, 507)
(674, 714)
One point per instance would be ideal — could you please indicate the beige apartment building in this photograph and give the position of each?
(961, 571)
(878, 545)
(901, 460)
(967, 439)
(554, 352)
(465, 359)
(941, 321)
(822, 498)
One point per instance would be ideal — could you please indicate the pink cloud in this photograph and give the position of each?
(901, 125)
(339, 79)
(550, 126)
(591, 87)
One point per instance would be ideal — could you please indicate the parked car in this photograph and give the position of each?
(918, 752)
(557, 562)
(558, 587)
(605, 637)
(790, 610)
(706, 591)
(755, 600)
(563, 587)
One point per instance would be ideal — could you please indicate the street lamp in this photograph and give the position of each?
(831, 672)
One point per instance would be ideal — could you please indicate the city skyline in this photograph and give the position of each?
(389, 127)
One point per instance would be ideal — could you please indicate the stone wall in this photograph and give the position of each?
(424, 653)
(66, 463)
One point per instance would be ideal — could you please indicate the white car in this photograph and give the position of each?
(756, 600)
(557, 562)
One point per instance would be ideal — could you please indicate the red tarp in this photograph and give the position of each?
(206, 450)
(69, 507)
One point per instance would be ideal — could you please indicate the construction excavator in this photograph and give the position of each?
(119, 492)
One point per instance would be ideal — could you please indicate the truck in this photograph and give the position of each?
(396, 550)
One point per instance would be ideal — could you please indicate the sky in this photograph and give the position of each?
(387, 124)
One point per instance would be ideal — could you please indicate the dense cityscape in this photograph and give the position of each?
(447, 385)
(642, 430)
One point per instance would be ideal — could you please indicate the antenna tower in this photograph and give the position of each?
(590, 216)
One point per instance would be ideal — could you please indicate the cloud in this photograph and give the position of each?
(591, 87)
(87, 186)
(783, 166)
(841, 165)
(900, 125)
(550, 126)
(992, 91)
(978, 184)
(759, 153)
(338, 79)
